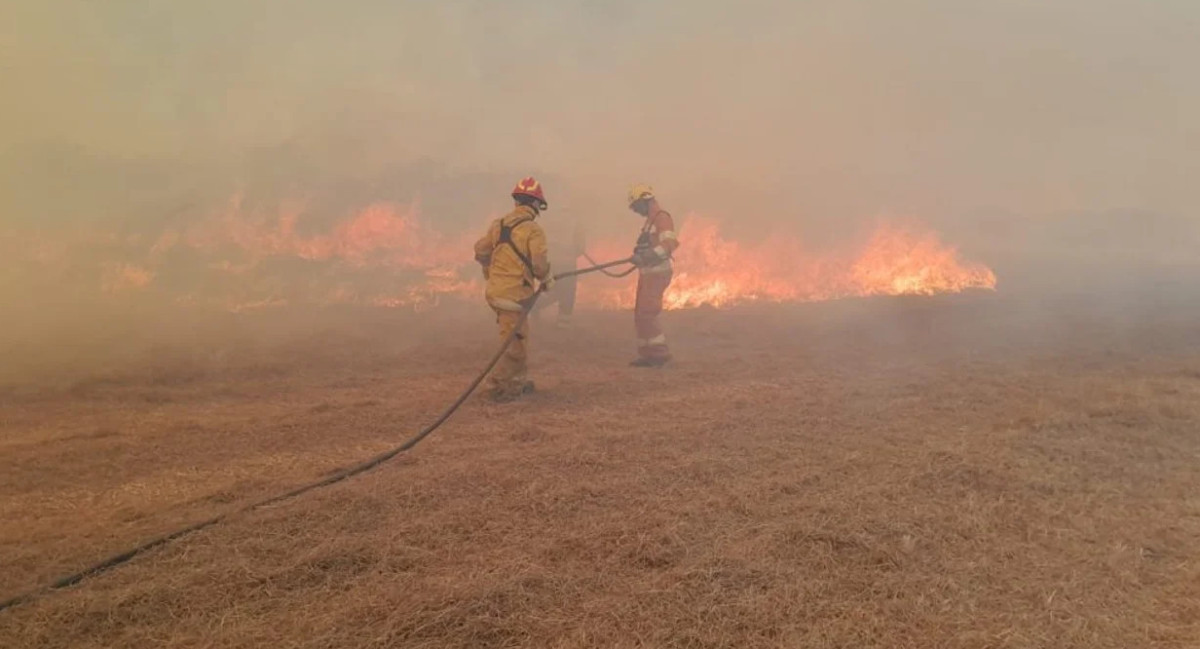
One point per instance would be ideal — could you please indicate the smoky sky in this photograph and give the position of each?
(829, 109)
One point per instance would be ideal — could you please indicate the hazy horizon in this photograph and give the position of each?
(839, 109)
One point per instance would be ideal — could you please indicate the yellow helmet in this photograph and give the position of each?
(640, 191)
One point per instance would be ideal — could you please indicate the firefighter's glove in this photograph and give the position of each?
(646, 258)
(546, 284)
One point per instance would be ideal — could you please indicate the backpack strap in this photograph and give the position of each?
(506, 238)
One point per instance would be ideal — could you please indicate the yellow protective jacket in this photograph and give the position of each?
(513, 253)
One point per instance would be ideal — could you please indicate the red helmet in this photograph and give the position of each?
(531, 188)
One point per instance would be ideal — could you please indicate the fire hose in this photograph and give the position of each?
(361, 467)
(603, 268)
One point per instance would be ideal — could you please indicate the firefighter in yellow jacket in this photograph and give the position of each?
(515, 263)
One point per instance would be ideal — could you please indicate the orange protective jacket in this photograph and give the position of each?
(513, 254)
(663, 240)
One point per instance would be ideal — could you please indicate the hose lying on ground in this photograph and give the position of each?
(366, 465)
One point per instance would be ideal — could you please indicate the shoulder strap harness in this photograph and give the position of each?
(506, 237)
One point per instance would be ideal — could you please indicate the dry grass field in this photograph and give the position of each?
(970, 471)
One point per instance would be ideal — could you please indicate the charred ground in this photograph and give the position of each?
(961, 471)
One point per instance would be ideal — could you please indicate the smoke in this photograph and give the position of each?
(829, 108)
(1011, 127)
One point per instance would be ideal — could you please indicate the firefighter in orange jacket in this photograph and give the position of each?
(652, 256)
(515, 263)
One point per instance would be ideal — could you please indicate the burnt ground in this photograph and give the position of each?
(971, 471)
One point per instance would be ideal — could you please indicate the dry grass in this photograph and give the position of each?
(952, 473)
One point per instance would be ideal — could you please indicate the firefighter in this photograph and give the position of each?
(652, 256)
(515, 262)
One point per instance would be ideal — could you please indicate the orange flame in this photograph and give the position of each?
(423, 264)
(713, 271)
(382, 234)
(125, 277)
(896, 262)
(386, 255)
